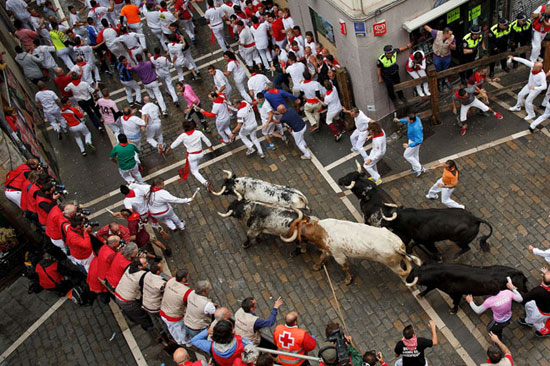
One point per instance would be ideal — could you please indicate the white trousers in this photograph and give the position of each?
(416, 75)
(445, 195)
(542, 117)
(281, 44)
(271, 128)
(158, 33)
(167, 81)
(253, 141)
(179, 70)
(154, 92)
(536, 45)
(80, 132)
(312, 113)
(130, 86)
(250, 55)
(190, 61)
(465, 108)
(300, 142)
(53, 117)
(534, 316)
(65, 55)
(14, 196)
(223, 129)
(116, 127)
(220, 35)
(82, 263)
(357, 140)
(153, 133)
(411, 155)
(131, 175)
(526, 96)
(177, 330)
(136, 27)
(170, 219)
(118, 50)
(372, 169)
(242, 90)
(189, 28)
(331, 116)
(265, 55)
(138, 50)
(194, 161)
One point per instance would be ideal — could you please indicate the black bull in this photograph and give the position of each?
(427, 226)
(459, 279)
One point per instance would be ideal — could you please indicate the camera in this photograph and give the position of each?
(337, 338)
(60, 189)
(83, 211)
(42, 166)
(90, 223)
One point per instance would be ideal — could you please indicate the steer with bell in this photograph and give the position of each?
(459, 279)
(261, 191)
(427, 226)
(345, 239)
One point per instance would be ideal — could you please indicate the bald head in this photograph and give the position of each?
(281, 109)
(291, 318)
(222, 314)
(59, 71)
(537, 66)
(180, 355)
(69, 210)
(146, 99)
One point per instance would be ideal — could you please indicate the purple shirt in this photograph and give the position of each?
(146, 71)
(434, 35)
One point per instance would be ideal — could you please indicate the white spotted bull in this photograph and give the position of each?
(261, 191)
(345, 239)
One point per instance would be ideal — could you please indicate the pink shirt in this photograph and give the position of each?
(26, 36)
(190, 96)
(105, 106)
(500, 304)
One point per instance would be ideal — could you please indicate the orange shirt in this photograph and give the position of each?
(131, 12)
(450, 178)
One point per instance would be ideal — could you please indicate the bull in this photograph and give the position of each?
(371, 197)
(345, 239)
(260, 218)
(459, 279)
(258, 190)
(427, 226)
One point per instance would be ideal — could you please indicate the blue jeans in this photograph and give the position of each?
(442, 63)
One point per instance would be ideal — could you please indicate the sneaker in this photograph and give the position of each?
(532, 130)
(165, 113)
(314, 128)
(463, 131)
(515, 108)
(303, 157)
(270, 147)
(198, 77)
(527, 117)
(338, 137)
(371, 179)
(232, 138)
(160, 149)
(523, 322)
(284, 139)
(84, 153)
(378, 182)
(539, 334)
(428, 94)
(182, 225)
(65, 131)
(250, 151)
(353, 149)
(418, 173)
(91, 147)
(261, 156)
(177, 104)
(225, 142)
(432, 197)
(167, 252)
(421, 94)
(459, 123)
(59, 136)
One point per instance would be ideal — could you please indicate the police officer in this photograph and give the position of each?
(520, 34)
(499, 37)
(388, 70)
(470, 45)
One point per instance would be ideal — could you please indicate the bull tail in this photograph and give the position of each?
(483, 240)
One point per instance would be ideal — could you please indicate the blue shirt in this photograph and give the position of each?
(414, 131)
(123, 72)
(265, 323)
(92, 35)
(276, 97)
(293, 120)
(201, 342)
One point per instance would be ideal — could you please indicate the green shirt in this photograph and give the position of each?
(125, 155)
(356, 357)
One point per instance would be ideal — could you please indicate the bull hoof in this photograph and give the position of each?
(317, 266)
(296, 252)
(349, 280)
(303, 249)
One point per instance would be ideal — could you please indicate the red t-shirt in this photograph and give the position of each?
(137, 228)
(278, 30)
(62, 82)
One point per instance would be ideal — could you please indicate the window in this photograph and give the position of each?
(322, 26)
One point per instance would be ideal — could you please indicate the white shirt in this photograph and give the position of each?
(131, 126)
(362, 121)
(137, 203)
(220, 80)
(220, 109)
(176, 50)
(86, 72)
(166, 18)
(228, 10)
(153, 111)
(411, 62)
(82, 91)
(162, 65)
(193, 142)
(98, 13)
(86, 52)
(378, 147)
(48, 100)
(246, 37)
(542, 253)
(332, 101)
(75, 18)
(310, 88)
(259, 32)
(236, 70)
(257, 83)
(288, 23)
(152, 17)
(130, 39)
(19, 9)
(110, 37)
(264, 111)
(300, 53)
(536, 80)
(245, 115)
(296, 72)
(310, 45)
(160, 200)
(214, 16)
(48, 62)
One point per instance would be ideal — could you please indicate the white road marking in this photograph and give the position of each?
(128, 335)
(346, 158)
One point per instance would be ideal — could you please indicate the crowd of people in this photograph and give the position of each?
(117, 262)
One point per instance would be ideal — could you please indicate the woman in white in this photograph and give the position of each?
(192, 139)
(416, 67)
(159, 201)
(334, 108)
(246, 127)
(234, 68)
(378, 139)
(220, 110)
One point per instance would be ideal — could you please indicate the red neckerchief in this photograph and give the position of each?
(134, 216)
(81, 63)
(131, 194)
(379, 135)
(189, 133)
(241, 14)
(230, 3)
(534, 73)
(155, 189)
(161, 10)
(329, 91)
(76, 82)
(156, 56)
(273, 91)
(218, 100)
(124, 144)
(478, 77)
(126, 118)
(458, 96)
(256, 25)
(243, 105)
(547, 288)
(253, 74)
(307, 81)
(229, 61)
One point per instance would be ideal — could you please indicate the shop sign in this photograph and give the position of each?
(474, 13)
(453, 15)
(360, 29)
(379, 28)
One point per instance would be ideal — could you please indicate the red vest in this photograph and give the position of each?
(25, 194)
(118, 266)
(231, 359)
(31, 197)
(79, 243)
(289, 339)
(538, 23)
(71, 115)
(16, 177)
(53, 223)
(42, 214)
(48, 277)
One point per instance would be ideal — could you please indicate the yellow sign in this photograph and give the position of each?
(474, 13)
(453, 15)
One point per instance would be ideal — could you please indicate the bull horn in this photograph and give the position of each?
(359, 167)
(291, 239)
(220, 192)
(239, 196)
(227, 214)
(228, 174)
(390, 204)
(352, 184)
(413, 283)
(393, 217)
(300, 213)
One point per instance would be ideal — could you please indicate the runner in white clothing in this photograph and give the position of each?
(133, 126)
(261, 37)
(134, 42)
(247, 45)
(152, 17)
(378, 138)
(48, 102)
(162, 68)
(192, 139)
(334, 108)
(296, 71)
(246, 127)
(150, 112)
(268, 122)
(535, 85)
(45, 52)
(235, 68)
(215, 18)
(220, 81)
(220, 110)
(257, 82)
(176, 48)
(359, 136)
(87, 53)
(159, 201)
(84, 70)
(312, 93)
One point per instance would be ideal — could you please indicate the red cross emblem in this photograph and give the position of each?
(286, 340)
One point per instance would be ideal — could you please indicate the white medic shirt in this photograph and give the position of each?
(245, 115)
